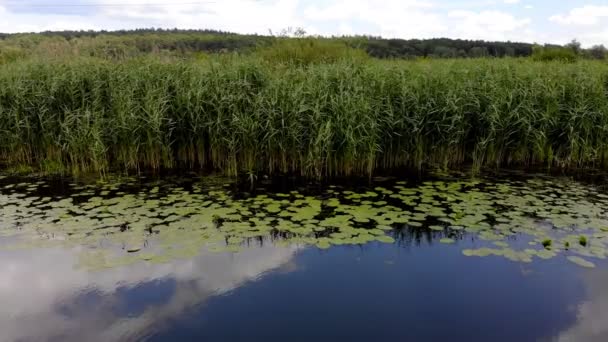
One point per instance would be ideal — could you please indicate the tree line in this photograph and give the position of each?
(125, 43)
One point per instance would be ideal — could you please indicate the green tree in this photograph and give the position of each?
(575, 46)
(598, 52)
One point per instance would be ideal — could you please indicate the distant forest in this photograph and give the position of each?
(141, 41)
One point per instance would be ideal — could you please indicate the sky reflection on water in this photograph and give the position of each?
(277, 287)
(374, 292)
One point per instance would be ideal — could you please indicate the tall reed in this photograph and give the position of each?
(347, 117)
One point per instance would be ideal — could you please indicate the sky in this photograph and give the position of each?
(534, 21)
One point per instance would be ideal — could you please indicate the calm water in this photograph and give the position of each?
(97, 269)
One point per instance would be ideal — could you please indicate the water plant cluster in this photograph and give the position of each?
(112, 224)
(252, 115)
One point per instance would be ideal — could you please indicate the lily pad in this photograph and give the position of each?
(385, 239)
(581, 262)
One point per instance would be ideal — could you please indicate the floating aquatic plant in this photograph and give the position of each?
(581, 262)
(160, 222)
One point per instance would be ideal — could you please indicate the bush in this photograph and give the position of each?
(306, 51)
(548, 54)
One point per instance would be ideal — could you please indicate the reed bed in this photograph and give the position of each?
(250, 115)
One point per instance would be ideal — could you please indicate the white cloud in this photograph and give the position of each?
(342, 9)
(346, 29)
(243, 16)
(495, 25)
(585, 16)
(512, 2)
(392, 18)
(588, 39)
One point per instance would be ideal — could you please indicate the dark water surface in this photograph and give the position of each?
(288, 283)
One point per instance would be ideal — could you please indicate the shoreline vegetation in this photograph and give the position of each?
(310, 107)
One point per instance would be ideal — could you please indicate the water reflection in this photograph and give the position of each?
(377, 257)
(592, 325)
(45, 298)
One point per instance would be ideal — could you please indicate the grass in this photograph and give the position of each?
(250, 115)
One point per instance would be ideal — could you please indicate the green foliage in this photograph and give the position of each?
(118, 45)
(582, 241)
(123, 44)
(9, 54)
(241, 114)
(52, 167)
(20, 170)
(547, 243)
(547, 54)
(306, 51)
(598, 52)
(441, 47)
(575, 46)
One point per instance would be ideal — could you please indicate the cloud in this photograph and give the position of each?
(494, 25)
(361, 9)
(392, 18)
(585, 16)
(242, 16)
(588, 39)
(477, 19)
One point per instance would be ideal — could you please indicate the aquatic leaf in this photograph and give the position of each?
(385, 239)
(323, 244)
(581, 262)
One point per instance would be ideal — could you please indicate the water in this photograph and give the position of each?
(127, 260)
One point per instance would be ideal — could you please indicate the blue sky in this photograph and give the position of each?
(517, 20)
